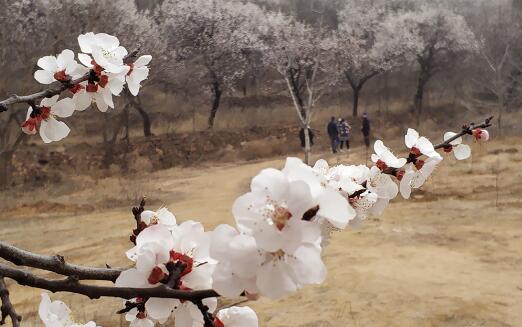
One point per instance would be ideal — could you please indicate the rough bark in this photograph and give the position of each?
(145, 118)
(216, 99)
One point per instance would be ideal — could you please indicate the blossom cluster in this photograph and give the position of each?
(102, 72)
(282, 226)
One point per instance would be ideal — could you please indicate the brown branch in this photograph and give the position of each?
(72, 285)
(7, 308)
(55, 264)
(466, 129)
(58, 88)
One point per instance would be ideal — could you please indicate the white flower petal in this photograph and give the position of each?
(275, 279)
(64, 108)
(449, 135)
(160, 309)
(52, 130)
(307, 265)
(238, 317)
(335, 208)
(48, 63)
(143, 61)
(44, 76)
(85, 59)
(64, 59)
(462, 151)
(225, 282)
(411, 138)
(82, 100)
(86, 41)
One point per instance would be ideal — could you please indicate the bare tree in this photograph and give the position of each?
(371, 40)
(213, 39)
(443, 36)
(305, 59)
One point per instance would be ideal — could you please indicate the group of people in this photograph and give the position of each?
(339, 131)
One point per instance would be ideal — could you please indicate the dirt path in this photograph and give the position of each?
(450, 257)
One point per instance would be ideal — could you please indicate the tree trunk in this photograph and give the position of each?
(308, 148)
(419, 96)
(216, 98)
(144, 117)
(356, 91)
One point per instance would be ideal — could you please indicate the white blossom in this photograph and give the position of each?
(419, 144)
(51, 129)
(57, 314)
(236, 317)
(138, 73)
(414, 177)
(162, 216)
(106, 51)
(461, 151)
(56, 68)
(384, 155)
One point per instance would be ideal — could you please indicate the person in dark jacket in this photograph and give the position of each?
(344, 133)
(302, 137)
(333, 134)
(366, 129)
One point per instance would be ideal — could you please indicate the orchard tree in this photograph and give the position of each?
(501, 65)
(214, 39)
(304, 57)
(371, 40)
(282, 224)
(443, 36)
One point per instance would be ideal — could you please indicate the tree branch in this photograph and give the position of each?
(57, 89)
(55, 264)
(7, 308)
(466, 129)
(72, 285)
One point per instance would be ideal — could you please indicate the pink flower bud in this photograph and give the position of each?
(482, 135)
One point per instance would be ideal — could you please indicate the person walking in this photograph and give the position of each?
(344, 134)
(333, 134)
(365, 129)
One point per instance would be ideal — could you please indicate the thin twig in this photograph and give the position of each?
(55, 264)
(72, 285)
(58, 88)
(7, 308)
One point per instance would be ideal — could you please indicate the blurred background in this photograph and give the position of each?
(216, 109)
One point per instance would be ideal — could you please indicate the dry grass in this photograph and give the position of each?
(452, 256)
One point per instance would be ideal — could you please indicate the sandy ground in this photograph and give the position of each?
(452, 256)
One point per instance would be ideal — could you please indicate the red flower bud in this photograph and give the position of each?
(76, 88)
(218, 323)
(399, 174)
(97, 68)
(419, 164)
(188, 261)
(381, 165)
(481, 134)
(60, 76)
(415, 151)
(448, 148)
(156, 275)
(104, 79)
(92, 87)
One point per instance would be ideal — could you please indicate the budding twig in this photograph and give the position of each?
(466, 129)
(58, 88)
